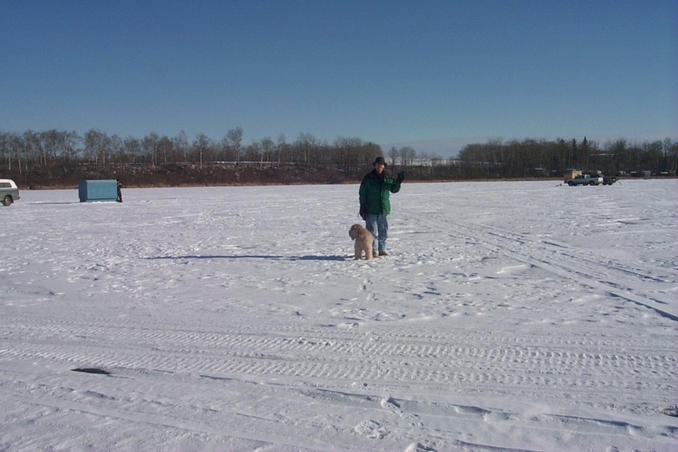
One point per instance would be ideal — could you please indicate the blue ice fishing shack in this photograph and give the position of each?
(98, 190)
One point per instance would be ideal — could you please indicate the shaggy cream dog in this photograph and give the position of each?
(363, 241)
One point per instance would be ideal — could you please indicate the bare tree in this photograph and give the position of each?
(117, 148)
(132, 147)
(235, 136)
(51, 140)
(252, 152)
(281, 146)
(33, 147)
(9, 143)
(201, 145)
(97, 146)
(150, 147)
(180, 146)
(267, 149)
(18, 148)
(407, 156)
(393, 154)
(68, 142)
(165, 148)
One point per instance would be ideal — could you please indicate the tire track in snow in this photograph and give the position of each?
(373, 415)
(143, 330)
(403, 343)
(464, 360)
(551, 257)
(249, 429)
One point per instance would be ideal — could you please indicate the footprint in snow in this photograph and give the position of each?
(390, 403)
(371, 429)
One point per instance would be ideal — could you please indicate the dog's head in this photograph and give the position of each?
(355, 231)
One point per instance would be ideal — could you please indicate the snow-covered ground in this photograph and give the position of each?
(510, 315)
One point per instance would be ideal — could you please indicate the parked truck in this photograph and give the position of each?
(585, 179)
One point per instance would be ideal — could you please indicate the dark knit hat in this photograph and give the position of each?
(379, 160)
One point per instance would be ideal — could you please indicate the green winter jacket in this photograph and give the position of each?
(374, 192)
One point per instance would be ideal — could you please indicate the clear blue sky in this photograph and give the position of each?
(423, 72)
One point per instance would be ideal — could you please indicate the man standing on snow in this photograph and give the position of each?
(375, 204)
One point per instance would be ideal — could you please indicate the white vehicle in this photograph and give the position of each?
(9, 192)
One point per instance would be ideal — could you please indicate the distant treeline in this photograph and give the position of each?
(535, 158)
(61, 158)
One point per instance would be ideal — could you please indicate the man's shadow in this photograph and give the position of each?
(256, 256)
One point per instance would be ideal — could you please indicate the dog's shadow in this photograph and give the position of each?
(256, 256)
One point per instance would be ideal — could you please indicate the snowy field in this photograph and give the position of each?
(509, 316)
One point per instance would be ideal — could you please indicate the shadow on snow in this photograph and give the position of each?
(257, 256)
